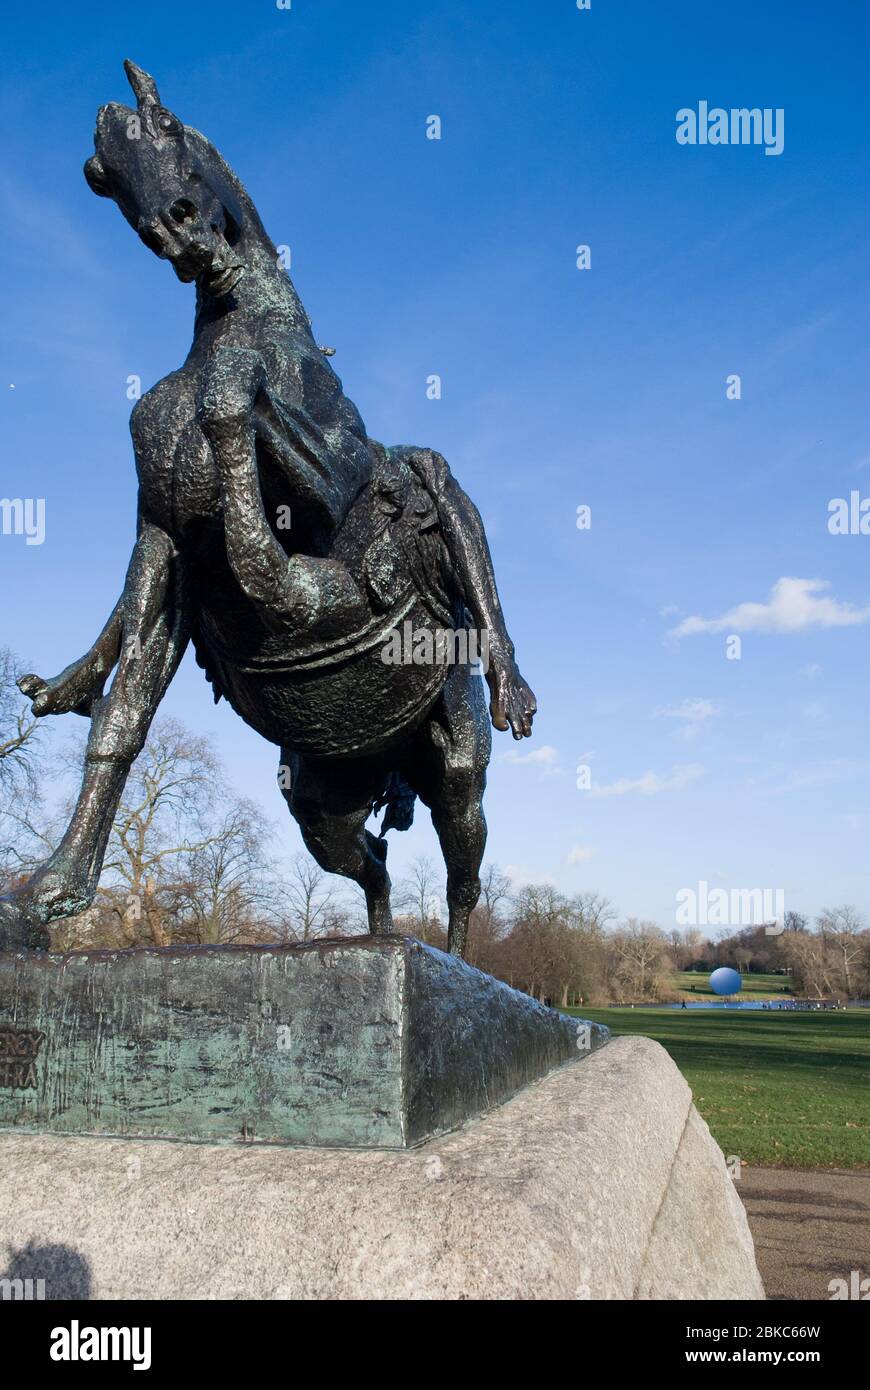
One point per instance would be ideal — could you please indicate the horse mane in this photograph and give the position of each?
(211, 158)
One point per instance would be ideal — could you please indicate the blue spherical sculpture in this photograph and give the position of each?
(725, 980)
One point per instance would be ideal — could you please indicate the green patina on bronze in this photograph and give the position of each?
(379, 1042)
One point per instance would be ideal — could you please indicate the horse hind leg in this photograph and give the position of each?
(331, 804)
(461, 829)
(448, 772)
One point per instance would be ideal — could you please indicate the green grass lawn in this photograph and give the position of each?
(754, 986)
(787, 1089)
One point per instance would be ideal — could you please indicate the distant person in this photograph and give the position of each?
(684, 1005)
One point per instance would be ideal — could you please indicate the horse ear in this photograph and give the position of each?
(96, 177)
(143, 84)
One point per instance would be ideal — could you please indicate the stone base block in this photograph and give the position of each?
(598, 1182)
(371, 1042)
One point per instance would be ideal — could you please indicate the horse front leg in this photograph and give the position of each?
(299, 593)
(154, 634)
(512, 702)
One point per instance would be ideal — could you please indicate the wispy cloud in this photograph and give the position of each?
(545, 758)
(520, 877)
(691, 714)
(794, 605)
(691, 711)
(651, 784)
(799, 334)
(579, 854)
(825, 772)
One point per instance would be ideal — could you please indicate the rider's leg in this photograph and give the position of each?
(512, 702)
(80, 683)
(154, 636)
(331, 803)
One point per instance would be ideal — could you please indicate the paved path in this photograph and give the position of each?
(810, 1225)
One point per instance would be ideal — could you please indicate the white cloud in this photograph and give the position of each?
(546, 758)
(793, 606)
(805, 777)
(651, 784)
(693, 711)
(579, 854)
(520, 877)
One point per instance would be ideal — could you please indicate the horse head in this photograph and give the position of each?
(172, 186)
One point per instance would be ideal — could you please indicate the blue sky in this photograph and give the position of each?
(561, 387)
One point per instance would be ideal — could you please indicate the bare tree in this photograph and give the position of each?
(795, 921)
(227, 893)
(642, 950)
(310, 904)
(811, 963)
(844, 929)
(420, 894)
(538, 938)
(585, 958)
(488, 920)
(18, 731)
(162, 823)
(596, 911)
(23, 837)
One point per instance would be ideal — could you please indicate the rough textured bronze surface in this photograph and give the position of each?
(374, 1042)
(291, 550)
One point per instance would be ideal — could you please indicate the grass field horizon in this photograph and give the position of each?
(689, 984)
(778, 1089)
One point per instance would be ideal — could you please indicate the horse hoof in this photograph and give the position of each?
(18, 930)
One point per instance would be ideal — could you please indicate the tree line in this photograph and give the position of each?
(191, 863)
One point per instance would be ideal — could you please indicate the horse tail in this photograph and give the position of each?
(399, 800)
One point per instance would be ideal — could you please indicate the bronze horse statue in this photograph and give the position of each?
(288, 547)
